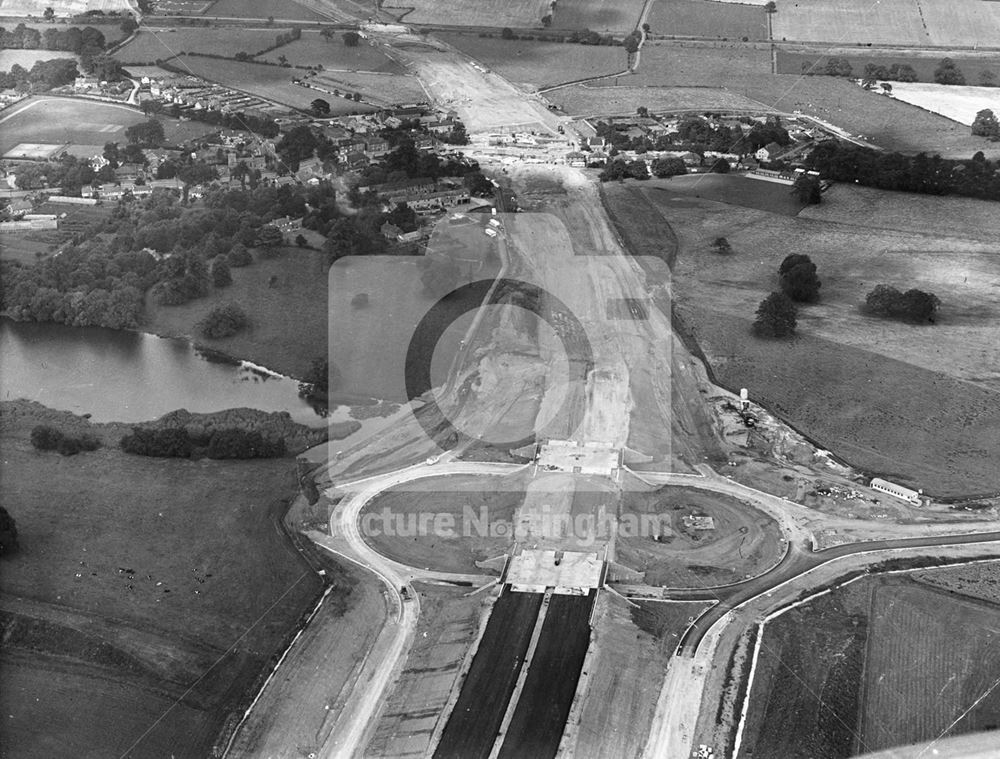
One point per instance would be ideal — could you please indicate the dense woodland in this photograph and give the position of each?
(89, 43)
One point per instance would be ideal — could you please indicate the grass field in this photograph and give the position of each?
(28, 58)
(206, 570)
(386, 89)
(743, 542)
(604, 99)
(707, 18)
(82, 122)
(512, 13)
(743, 70)
(620, 17)
(280, 9)
(957, 644)
(897, 22)
(539, 64)
(160, 44)
(917, 403)
(312, 49)
(268, 82)
(455, 548)
(805, 697)
(289, 321)
(960, 104)
(730, 188)
(923, 61)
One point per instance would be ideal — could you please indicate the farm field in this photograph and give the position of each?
(897, 22)
(153, 44)
(538, 65)
(512, 13)
(80, 122)
(200, 578)
(956, 642)
(289, 320)
(386, 89)
(280, 9)
(333, 55)
(268, 82)
(743, 542)
(914, 403)
(707, 18)
(28, 58)
(958, 103)
(587, 100)
(620, 17)
(397, 533)
(805, 699)
(972, 64)
(744, 70)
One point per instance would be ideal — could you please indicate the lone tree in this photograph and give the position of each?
(776, 316)
(351, 39)
(771, 7)
(507, 33)
(224, 321)
(721, 245)
(986, 125)
(948, 73)
(798, 278)
(8, 533)
(319, 107)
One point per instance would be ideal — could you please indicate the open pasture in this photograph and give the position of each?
(620, 17)
(332, 54)
(707, 64)
(272, 83)
(587, 100)
(707, 18)
(153, 44)
(895, 22)
(539, 64)
(513, 13)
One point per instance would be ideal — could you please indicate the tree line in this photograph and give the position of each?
(933, 175)
(178, 442)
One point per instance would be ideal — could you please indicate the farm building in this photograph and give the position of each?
(769, 152)
(884, 486)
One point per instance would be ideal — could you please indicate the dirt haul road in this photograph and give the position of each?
(484, 100)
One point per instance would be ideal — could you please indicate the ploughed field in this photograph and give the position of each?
(837, 676)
